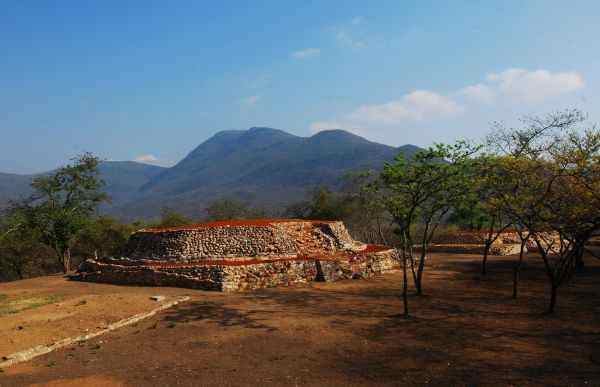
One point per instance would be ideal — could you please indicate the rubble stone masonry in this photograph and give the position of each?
(241, 255)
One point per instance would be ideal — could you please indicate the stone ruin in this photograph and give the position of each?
(507, 243)
(241, 255)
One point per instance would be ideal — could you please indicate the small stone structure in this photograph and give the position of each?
(241, 255)
(473, 242)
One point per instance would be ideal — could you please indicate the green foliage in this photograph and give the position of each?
(427, 185)
(229, 209)
(20, 251)
(171, 218)
(62, 205)
(546, 180)
(325, 205)
(104, 236)
(422, 190)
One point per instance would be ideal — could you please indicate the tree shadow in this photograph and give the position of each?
(216, 312)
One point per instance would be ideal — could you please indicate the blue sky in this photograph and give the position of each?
(150, 80)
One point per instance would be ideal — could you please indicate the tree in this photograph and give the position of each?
(553, 174)
(171, 218)
(19, 250)
(228, 209)
(62, 204)
(103, 237)
(571, 206)
(489, 182)
(422, 190)
(367, 214)
(326, 205)
(495, 184)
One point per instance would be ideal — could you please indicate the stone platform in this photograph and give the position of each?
(241, 255)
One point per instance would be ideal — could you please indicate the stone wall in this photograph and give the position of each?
(233, 276)
(241, 255)
(240, 239)
(209, 243)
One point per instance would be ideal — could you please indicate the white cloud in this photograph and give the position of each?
(306, 53)
(251, 100)
(425, 110)
(346, 39)
(147, 159)
(351, 33)
(534, 86)
(325, 125)
(478, 93)
(415, 106)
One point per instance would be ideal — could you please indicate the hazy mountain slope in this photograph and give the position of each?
(220, 159)
(12, 187)
(123, 180)
(263, 166)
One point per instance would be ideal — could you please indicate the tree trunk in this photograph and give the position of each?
(579, 264)
(485, 256)
(488, 244)
(552, 305)
(380, 231)
(412, 269)
(419, 277)
(19, 270)
(420, 270)
(66, 261)
(405, 284)
(517, 269)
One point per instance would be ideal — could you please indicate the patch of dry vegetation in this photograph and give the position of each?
(12, 306)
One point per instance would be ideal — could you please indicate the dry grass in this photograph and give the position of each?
(11, 306)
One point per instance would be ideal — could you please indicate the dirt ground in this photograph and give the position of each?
(47, 309)
(465, 331)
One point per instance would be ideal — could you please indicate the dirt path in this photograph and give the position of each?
(465, 331)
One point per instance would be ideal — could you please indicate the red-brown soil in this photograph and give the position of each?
(76, 308)
(465, 331)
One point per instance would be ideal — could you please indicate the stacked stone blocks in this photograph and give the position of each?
(241, 255)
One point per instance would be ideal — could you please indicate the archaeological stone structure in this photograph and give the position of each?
(241, 255)
(473, 242)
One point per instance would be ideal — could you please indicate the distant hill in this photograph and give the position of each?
(12, 187)
(262, 166)
(123, 179)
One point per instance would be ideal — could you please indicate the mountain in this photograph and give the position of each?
(264, 167)
(12, 187)
(123, 179)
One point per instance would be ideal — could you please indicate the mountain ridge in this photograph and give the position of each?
(262, 166)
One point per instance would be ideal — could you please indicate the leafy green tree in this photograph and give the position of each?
(326, 205)
(552, 174)
(104, 236)
(366, 211)
(229, 209)
(62, 204)
(19, 250)
(570, 206)
(489, 182)
(422, 190)
(171, 218)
